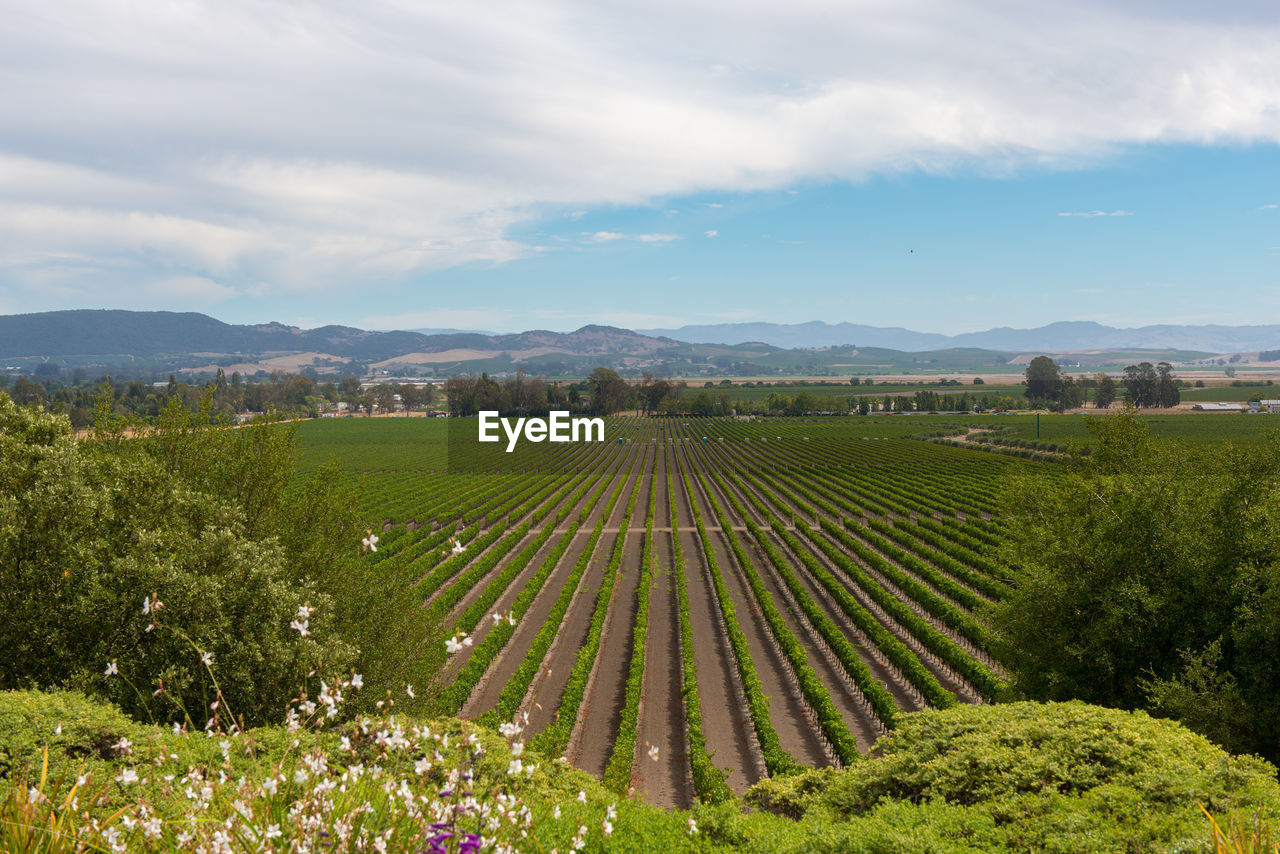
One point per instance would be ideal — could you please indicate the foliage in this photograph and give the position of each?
(94, 534)
(1047, 386)
(1149, 577)
(1029, 777)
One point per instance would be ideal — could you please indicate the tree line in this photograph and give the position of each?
(603, 392)
(293, 395)
(1144, 385)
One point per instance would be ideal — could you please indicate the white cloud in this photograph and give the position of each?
(1092, 214)
(610, 236)
(711, 233)
(1268, 207)
(713, 204)
(305, 146)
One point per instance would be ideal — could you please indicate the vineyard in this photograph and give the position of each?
(695, 604)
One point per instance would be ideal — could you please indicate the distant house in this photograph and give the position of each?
(1266, 407)
(1218, 407)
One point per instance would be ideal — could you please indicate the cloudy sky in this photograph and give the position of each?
(946, 166)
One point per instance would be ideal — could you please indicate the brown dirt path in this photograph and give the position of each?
(797, 732)
(601, 712)
(905, 696)
(666, 782)
(726, 722)
(862, 724)
(488, 690)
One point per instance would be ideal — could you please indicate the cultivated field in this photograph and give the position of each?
(700, 595)
(700, 603)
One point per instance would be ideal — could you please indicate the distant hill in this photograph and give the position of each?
(158, 342)
(1062, 336)
(153, 333)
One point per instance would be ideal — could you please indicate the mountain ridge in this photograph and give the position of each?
(1058, 336)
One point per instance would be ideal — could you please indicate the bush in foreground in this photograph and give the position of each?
(1020, 777)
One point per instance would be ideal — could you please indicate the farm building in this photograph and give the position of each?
(1218, 407)
(1267, 407)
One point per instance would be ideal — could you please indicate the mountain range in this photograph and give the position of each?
(1061, 336)
(151, 342)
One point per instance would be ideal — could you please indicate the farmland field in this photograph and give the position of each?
(696, 604)
(740, 596)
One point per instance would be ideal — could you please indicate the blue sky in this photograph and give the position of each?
(1164, 234)
(942, 166)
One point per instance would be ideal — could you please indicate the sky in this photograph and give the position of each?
(943, 166)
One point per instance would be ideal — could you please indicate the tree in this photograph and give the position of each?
(1106, 394)
(652, 392)
(1070, 394)
(1167, 394)
(1149, 577)
(208, 521)
(609, 392)
(1141, 384)
(1044, 380)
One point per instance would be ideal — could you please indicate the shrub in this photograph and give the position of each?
(94, 533)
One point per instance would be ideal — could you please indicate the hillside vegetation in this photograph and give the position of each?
(1022, 777)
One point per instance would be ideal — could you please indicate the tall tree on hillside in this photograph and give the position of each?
(1106, 390)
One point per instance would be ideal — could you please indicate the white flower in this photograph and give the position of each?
(206, 658)
(582, 797)
(124, 746)
(357, 681)
(270, 785)
(33, 795)
(497, 619)
(273, 832)
(511, 617)
(146, 604)
(607, 827)
(451, 645)
(422, 766)
(370, 543)
(408, 689)
(304, 612)
(300, 626)
(111, 668)
(58, 730)
(515, 767)
(693, 827)
(128, 775)
(555, 813)
(653, 753)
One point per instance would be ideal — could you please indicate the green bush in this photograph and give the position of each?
(1022, 777)
(92, 532)
(1148, 578)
